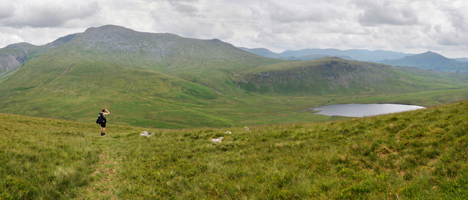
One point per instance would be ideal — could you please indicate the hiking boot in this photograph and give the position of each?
(103, 134)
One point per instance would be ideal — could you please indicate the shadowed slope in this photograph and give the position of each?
(335, 76)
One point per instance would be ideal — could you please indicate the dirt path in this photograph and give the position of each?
(105, 178)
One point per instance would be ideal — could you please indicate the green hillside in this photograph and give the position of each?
(70, 87)
(212, 63)
(412, 155)
(335, 76)
(67, 85)
(430, 60)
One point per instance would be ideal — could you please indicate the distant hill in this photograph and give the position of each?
(262, 52)
(430, 60)
(354, 54)
(267, 53)
(331, 75)
(312, 54)
(317, 56)
(461, 59)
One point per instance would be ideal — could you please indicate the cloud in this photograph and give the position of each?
(303, 11)
(373, 13)
(188, 22)
(7, 36)
(185, 6)
(48, 13)
(455, 31)
(401, 25)
(7, 9)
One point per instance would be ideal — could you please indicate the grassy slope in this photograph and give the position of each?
(68, 85)
(47, 158)
(77, 88)
(411, 155)
(334, 76)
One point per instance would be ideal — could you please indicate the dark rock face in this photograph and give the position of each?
(22, 57)
(8, 62)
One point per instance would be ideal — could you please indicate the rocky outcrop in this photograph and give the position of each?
(9, 62)
(15, 55)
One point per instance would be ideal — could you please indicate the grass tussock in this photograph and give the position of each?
(411, 155)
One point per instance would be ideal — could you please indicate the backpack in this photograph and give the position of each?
(99, 119)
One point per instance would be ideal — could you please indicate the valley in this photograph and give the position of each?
(166, 81)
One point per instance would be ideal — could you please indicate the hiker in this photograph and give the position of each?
(104, 121)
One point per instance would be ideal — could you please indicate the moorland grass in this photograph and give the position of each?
(46, 158)
(411, 155)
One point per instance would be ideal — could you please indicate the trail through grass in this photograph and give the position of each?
(105, 176)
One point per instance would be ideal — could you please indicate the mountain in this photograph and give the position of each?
(212, 63)
(152, 78)
(430, 60)
(208, 62)
(336, 76)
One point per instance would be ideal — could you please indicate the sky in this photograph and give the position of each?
(409, 26)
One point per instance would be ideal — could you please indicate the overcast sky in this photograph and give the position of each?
(410, 26)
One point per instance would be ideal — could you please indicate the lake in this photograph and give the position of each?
(362, 110)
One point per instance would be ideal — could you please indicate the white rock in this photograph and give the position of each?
(145, 133)
(229, 132)
(217, 140)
